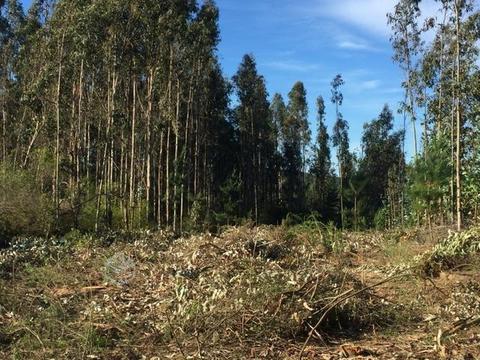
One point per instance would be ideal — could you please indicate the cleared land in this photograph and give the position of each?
(307, 292)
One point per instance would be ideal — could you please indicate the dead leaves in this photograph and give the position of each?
(352, 351)
(87, 290)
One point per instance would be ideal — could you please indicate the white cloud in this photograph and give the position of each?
(350, 42)
(370, 84)
(367, 15)
(351, 45)
(288, 65)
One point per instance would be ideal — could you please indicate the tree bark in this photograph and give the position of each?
(132, 149)
(56, 193)
(458, 119)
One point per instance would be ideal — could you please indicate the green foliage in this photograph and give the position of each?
(291, 220)
(32, 251)
(24, 209)
(230, 199)
(295, 136)
(380, 175)
(253, 121)
(87, 216)
(380, 219)
(471, 176)
(198, 213)
(430, 178)
(451, 252)
(317, 233)
(321, 166)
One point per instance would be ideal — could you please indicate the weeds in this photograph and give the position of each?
(451, 252)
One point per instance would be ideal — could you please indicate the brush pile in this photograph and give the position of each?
(193, 295)
(451, 252)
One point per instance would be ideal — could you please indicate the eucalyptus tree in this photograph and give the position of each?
(253, 121)
(3, 75)
(407, 44)
(295, 137)
(120, 97)
(341, 141)
(382, 159)
(11, 39)
(448, 65)
(298, 109)
(464, 59)
(278, 111)
(321, 167)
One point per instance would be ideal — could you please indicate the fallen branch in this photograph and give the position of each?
(338, 300)
(458, 325)
(65, 292)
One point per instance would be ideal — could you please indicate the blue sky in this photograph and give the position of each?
(312, 41)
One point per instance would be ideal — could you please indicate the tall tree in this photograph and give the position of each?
(341, 142)
(321, 167)
(253, 121)
(407, 43)
(295, 137)
(382, 159)
(448, 66)
(278, 110)
(298, 109)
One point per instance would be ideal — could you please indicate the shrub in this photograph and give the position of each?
(451, 252)
(381, 219)
(24, 210)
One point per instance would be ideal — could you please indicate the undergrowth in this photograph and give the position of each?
(153, 294)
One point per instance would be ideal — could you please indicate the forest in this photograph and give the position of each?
(119, 125)
(107, 127)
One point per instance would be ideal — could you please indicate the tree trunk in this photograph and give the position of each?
(4, 134)
(458, 119)
(160, 182)
(175, 161)
(132, 149)
(56, 194)
(340, 170)
(167, 177)
(78, 150)
(148, 146)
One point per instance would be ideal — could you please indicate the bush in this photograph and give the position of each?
(33, 251)
(24, 210)
(291, 220)
(381, 219)
(451, 252)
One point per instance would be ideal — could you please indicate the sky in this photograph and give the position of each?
(312, 41)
